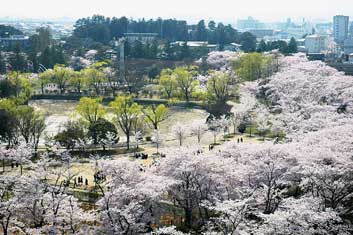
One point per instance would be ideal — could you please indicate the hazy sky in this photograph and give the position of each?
(267, 10)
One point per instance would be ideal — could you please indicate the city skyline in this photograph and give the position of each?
(268, 11)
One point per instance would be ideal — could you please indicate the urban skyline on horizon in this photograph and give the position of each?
(268, 12)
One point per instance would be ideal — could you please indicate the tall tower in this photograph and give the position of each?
(121, 48)
(340, 28)
(122, 59)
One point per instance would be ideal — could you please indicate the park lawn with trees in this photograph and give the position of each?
(272, 156)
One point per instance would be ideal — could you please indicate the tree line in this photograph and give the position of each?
(104, 29)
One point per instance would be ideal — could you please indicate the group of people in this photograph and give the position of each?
(14, 164)
(143, 156)
(240, 140)
(79, 181)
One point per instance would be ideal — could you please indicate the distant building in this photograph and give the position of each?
(301, 42)
(301, 45)
(324, 28)
(351, 30)
(197, 44)
(340, 28)
(51, 88)
(232, 47)
(249, 23)
(13, 40)
(348, 46)
(261, 33)
(315, 43)
(145, 38)
(350, 58)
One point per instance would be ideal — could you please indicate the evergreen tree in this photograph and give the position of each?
(2, 64)
(201, 32)
(292, 46)
(137, 50)
(34, 60)
(58, 55)
(248, 42)
(221, 36)
(262, 47)
(168, 50)
(18, 61)
(283, 47)
(46, 59)
(41, 40)
(212, 25)
(185, 51)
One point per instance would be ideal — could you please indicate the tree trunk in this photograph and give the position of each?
(113, 90)
(188, 217)
(128, 141)
(4, 230)
(36, 147)
(97, 90)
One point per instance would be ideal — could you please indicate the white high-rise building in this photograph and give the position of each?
(340, 28)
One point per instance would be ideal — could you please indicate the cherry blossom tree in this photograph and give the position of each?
(8, 203)
(215, 126)
(157, 139)
(20, 155)
(180, 132)
(263, 124)
(130, 197)
(230, 217)
(198, 128)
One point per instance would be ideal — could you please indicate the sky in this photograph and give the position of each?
(191, 10)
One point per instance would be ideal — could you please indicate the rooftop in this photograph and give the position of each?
(141, 34)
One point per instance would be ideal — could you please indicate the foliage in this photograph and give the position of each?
(71, 136)
(94, 78)
(90, 110)
(252, 66)
(218, 89)
(7, 31)
(103, 132)
(156, 114)
(31, 125)
(185, 81)
(168, 83)
(279, 45)
(125, 113)
(61, 76)
(248, 42)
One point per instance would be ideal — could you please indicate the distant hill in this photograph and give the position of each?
(7, 31)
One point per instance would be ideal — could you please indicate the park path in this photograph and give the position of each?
(248, 99)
